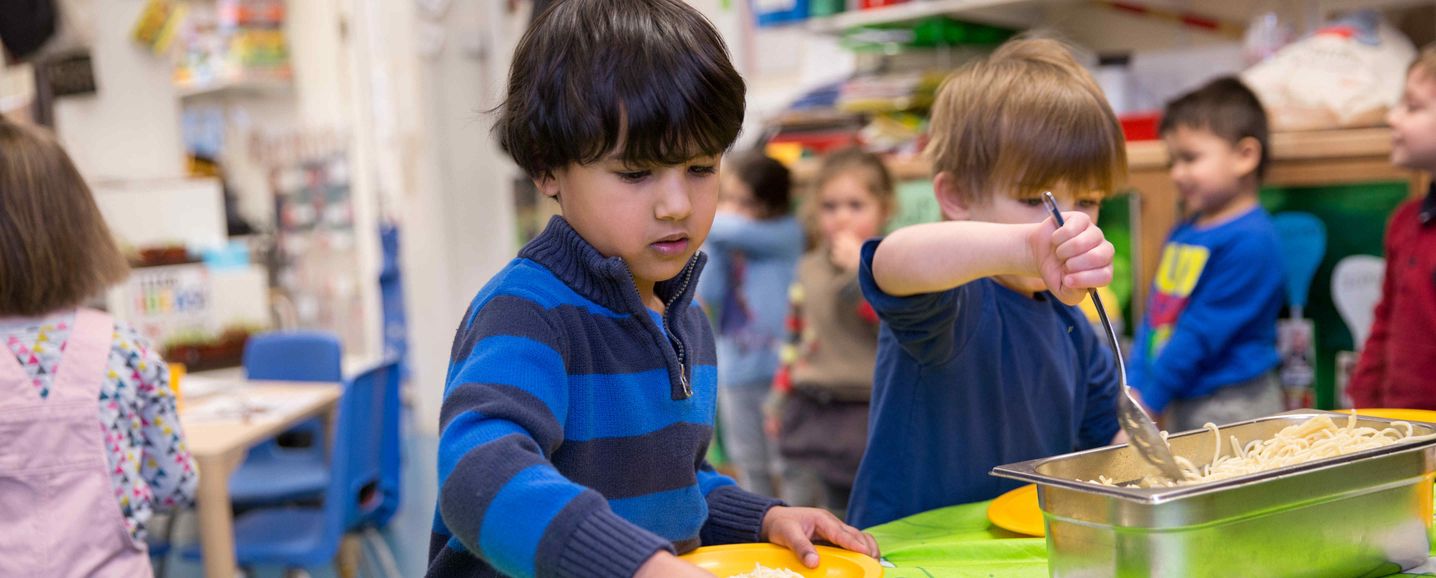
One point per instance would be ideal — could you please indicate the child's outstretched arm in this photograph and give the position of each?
(933, 257)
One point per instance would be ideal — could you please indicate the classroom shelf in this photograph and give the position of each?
(1013, 13)
(238, 85)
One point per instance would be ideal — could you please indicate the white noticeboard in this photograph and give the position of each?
(147, 213)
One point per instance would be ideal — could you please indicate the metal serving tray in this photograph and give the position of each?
(1367, 513)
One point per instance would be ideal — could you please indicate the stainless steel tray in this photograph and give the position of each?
(1363, 514)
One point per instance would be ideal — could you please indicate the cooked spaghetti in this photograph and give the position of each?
(761, 571)
(1313, 439)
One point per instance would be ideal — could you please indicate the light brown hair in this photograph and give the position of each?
(874, 174)
(55, 249)
(871, 172)
(1425, 61)
(1024, 119)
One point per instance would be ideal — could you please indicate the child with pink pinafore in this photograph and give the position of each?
(91, 443)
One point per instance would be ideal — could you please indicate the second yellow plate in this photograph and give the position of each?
(735, 559)
(1425, 415)
(1018, 511)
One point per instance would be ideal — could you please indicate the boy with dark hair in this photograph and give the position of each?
(581, 387)
(1207, 345)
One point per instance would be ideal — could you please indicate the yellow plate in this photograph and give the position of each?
(1017, 511)
(735, 559)
(1425, 415)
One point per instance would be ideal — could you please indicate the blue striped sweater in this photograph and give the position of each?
(575, 423)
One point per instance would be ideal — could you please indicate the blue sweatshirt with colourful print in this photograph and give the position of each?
(1211, 318)
(575, 423)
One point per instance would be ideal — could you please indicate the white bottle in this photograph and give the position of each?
(1115, 78)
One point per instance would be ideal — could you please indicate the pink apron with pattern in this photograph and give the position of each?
(59, 516)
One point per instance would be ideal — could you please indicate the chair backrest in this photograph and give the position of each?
(356, 469)
(1303, 244)
(294, 356)
(391, 447)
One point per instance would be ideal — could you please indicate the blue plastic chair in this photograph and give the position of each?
(271, 473)
(376, 514)
(294, 536)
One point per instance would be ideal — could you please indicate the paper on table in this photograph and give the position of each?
(249, 406)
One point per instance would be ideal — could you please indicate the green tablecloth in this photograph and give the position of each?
(959, 542)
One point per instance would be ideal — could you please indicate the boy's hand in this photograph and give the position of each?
(664, 565)
(1072, 258)
(796, 528)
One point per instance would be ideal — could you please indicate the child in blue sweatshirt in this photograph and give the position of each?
(753, 251)
(1207, 345)
(982, 359)
(581, 387)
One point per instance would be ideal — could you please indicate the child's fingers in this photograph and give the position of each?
(1098, 257)
(872, 545)
(1077, 244)
(843, 535)
(1075, 223)
(1089, 279)
(801, 545)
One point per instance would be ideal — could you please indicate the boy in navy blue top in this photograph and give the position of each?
(982, 359)
(580, 394)
(1206, 347)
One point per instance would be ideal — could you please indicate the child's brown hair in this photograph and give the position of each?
(55, 249)
(875, 178)
(875, 175)
(1026, 118)
(1425, 61)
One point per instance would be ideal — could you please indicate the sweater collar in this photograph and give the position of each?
(606, 281)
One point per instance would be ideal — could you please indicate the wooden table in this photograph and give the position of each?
(219, 443)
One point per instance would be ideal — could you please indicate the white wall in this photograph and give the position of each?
(457, 206)
(130, 129)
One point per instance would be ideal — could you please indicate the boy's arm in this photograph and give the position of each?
(713, 283)
(1235, 286)
(500, 497)
(1370, 373)
(759, 239)
(735, 515)
(933, 257)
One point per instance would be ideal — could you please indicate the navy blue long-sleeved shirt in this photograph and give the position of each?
(575, 423)
(971, 378)
(1211, 318)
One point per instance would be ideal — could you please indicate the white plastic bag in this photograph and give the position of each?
(1345, 75)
